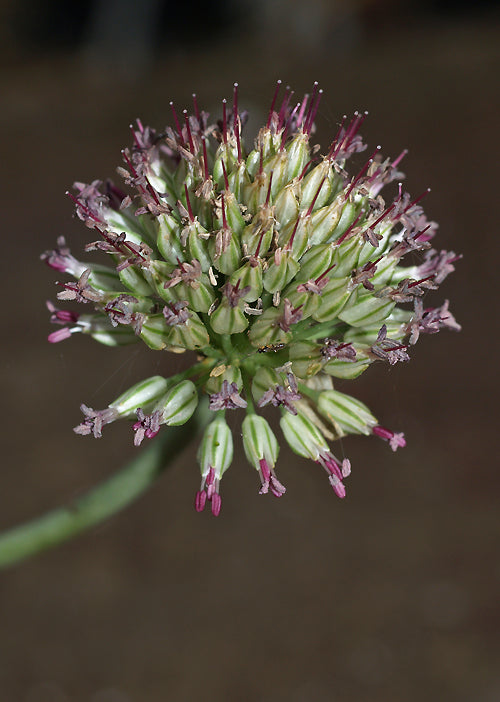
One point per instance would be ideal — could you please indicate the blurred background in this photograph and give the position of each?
(389, 595)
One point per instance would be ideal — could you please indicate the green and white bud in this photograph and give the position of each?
(179, 403)
(259, 442)
(144, 394)
(345, 413)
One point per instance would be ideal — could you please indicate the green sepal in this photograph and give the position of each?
(347, 217)
(160, 272)
(133, 279)
(334, 297)
(316, 261)
(322, 176)
(199, 296)
(179, 403)
(228, 320)
(277, 276)
(229, 259)
(249, 275)
(104, 279)
(308, 302)
(216, 448)
(306, 358)
(347, 414)
(259, 441)
(234, 215)
(265, 331)
(347, 370)
(324, 222)
(197, 240)
(365, 309)
(155, 332)
(286, 208)
(191, 335)
(230, 373)
(298, 155)
(300, 230)
(167, 241)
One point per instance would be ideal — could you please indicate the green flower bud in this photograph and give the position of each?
(282, 269)
(214, 456)
(249, 276)
(155, 333)
(179, 403)
(315, 262)
(259, 441)
(303, 437)
(346, 414)
(306, 358)
(286, 206)
(227, 319)
(134, 280)
(261, 450)
(167, 240)
(221, 373)
(334, 297)
(143, 394)
(190, 335)
(365, 309)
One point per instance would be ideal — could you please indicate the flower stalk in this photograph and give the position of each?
(104, 500)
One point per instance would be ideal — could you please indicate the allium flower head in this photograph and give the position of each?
(278, 268)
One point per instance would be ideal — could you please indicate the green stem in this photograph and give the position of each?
(102, 501)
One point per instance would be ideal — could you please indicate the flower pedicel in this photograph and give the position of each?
(275, 266)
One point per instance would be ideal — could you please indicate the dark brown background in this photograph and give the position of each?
(389, 595)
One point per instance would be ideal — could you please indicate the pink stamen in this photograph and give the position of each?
(224, 121)
(134, 135)
(84, 208)
(224, 221)
(334, 143)
(422, 280)
(349, 229)
(226, 182)
(216, 504)
(59, 335)
(361, 172)
(313, 202)
(398, 160)
(311, 105)
(284, 106)
(383, 216)
(278, 86)
(238, 142)
(188, 203)
(321, 278)
(178, 126)
(205, 159)
(266, 204)
(196, 110)
(188, 129)
(303, 106)
(200, 500)
(304, 170)
(309, 125)
(417, 199)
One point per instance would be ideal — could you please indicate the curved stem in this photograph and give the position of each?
(101, 502)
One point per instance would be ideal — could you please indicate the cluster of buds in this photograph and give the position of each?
(275, 266)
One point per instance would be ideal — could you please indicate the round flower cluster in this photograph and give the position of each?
(275, 266)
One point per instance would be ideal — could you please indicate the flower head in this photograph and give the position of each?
(278, 268)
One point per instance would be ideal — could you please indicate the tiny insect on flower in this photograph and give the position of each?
(274, 265)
